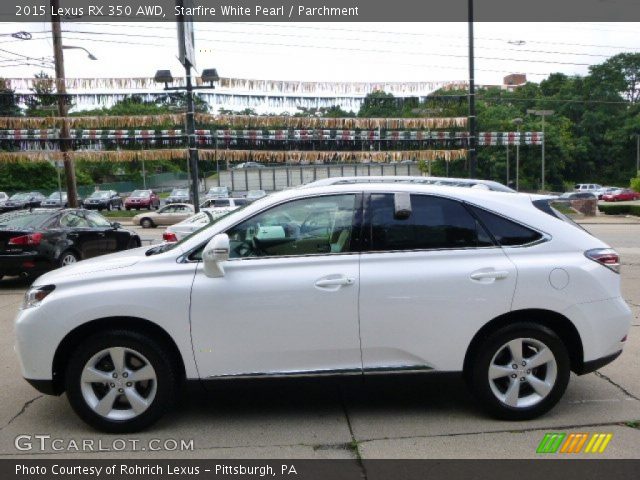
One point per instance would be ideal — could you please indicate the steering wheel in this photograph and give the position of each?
(312, 222)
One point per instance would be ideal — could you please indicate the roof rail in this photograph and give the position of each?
(441, 181)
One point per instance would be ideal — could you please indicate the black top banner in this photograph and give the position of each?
(323, 10)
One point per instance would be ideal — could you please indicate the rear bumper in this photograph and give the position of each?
(29, 262)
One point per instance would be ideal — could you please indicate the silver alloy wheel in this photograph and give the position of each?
(118, 383)
(522, 372)
(68, 259)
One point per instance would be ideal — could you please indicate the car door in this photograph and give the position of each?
(288, 301)
(165, 215)
(182, 213)
(428, 282)
(86, 240)
(104, 228)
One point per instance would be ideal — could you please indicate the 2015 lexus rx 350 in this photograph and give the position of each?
(335, 279)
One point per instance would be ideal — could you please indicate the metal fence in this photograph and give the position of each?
(278, 178)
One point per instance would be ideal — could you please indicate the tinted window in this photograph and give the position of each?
(319, 225)
(434, 223)
(96, 220)
(221, 203)
(506, 232)
(74, 220)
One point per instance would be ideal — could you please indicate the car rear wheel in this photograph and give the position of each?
(519, 372)
(121, 381)
(68, 258)
(147, 223)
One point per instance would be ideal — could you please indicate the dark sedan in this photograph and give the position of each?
(23, 200)
(33, 242)
(103, 200)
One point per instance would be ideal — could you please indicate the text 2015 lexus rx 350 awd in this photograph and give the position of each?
(337, 279)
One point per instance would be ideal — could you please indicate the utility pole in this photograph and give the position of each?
(69, 167)
(473, 141)
(507, 162)
(542, 113)
(191, 137)
(638, 154)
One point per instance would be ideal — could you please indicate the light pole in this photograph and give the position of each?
(90, 55)
(473, 140)
(541, 113)
(517, 122)
(507, 161)
(208, 76)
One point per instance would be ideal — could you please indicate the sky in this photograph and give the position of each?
(323, 51)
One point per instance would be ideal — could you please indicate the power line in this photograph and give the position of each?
(366, 50)
(242, 32)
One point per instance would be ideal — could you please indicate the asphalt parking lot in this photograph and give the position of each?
(406, 417)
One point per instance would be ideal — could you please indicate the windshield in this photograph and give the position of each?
(140, 193)
(100, 195)
(213, 218)
(216, 190)
(56, 196)
(20, 196)
(178, 192)
(22, 220)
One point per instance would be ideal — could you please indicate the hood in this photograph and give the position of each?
(94, 266)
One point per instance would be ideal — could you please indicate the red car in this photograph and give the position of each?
(142, 199)
(624, 194)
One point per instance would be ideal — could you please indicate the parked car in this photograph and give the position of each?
(587, 187)
(167, 215)
(178, 195)
(621, 195)
(103, 200)
(22, 200)
(568, 196)
(229, 203)
(33, 242)
(180, 230)
(218, 192)
(142, 199)
(245, 165)
(55, 200)
(604, 190)
(255, 195)
(3, 198)
(495, 285)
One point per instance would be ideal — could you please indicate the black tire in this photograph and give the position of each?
(159, 356)
(147, 223)
(133, 243)
(477, 372)
(65, 258)
(128, 208)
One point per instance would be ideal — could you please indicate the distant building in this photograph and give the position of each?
(514, 80)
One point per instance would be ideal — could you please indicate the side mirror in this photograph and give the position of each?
(402, 205)
(116, 225)
(216, 252)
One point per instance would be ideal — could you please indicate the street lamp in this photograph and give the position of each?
(89, 54)
(541, 113)
(517, 122)
(209, 76)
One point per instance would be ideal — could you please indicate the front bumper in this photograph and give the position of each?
(97, 206)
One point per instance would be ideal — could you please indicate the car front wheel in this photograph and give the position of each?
(121, 381)
(519, 372)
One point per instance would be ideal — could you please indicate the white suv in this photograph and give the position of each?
(352, 279)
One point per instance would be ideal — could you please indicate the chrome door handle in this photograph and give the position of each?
(495, 274)
(335, 282)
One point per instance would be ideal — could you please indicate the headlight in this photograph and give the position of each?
(35, 295)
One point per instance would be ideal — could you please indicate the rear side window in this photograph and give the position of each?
(506, 232)
(434, 223)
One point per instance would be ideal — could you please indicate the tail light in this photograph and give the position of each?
(31, 240)
(606, 257)
(169, 237)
